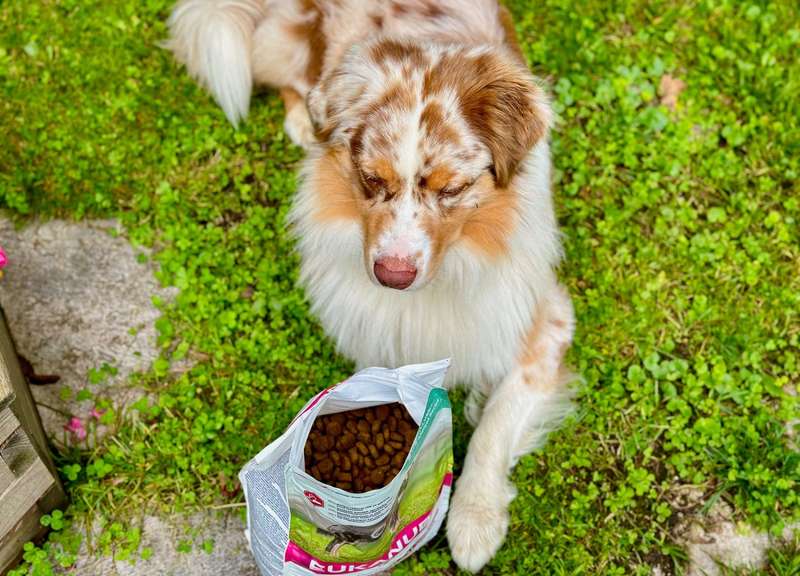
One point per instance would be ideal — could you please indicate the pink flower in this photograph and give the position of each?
(96, 414)
(75, 425)
(3, 259)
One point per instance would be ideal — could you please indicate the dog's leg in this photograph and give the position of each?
(529, 403)
(288, 48)
(297, 123)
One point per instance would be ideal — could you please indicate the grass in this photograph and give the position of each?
(683, 254)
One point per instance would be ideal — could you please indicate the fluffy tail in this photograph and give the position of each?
(213, 39)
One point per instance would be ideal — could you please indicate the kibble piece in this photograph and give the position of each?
(373, 450)
(325, 466)
(379, 441)
(343, 476)
(392, 423)
(333, 428)
(382, 460)
(348, 440)
(398, 459)
(344, 485)
(362, 448)
(352, 426)
(382, 412)
(376, 477)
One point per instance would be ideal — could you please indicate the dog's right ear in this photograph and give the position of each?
(333, 103)
(316, 104)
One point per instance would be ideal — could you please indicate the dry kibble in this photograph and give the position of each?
(333, 428)
(360, 450)
(376, 476)
(348, 440)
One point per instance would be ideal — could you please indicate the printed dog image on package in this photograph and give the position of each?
(297, 525)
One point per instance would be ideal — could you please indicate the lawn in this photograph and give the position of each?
(677, 157)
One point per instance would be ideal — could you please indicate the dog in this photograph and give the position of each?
(424, 217)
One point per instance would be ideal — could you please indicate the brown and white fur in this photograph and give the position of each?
(424, 216)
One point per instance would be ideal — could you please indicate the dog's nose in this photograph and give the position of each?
(398, 273)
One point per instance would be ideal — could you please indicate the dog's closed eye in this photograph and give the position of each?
(449, 191)
(372, 183)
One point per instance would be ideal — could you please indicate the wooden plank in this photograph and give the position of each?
(25, 410)
(6, 391)
(8, 423)
(23, 494)
(6, 477)
(28, 528)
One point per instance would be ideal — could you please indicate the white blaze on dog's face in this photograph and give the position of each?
(420, 147)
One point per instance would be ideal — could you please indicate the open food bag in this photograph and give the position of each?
(380, 426)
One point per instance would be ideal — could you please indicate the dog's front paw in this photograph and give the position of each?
(476, 528)
(298, 126)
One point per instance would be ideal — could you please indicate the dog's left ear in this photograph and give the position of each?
(509, 111)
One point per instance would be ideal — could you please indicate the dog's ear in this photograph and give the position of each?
(509, 111)
(316, 104)
(336, 93)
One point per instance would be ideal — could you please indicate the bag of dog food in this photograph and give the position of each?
(359, 481)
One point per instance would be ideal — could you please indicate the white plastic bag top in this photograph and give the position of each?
(408, 384)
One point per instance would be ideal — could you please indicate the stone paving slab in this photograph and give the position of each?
(229, 556)
(77, 298)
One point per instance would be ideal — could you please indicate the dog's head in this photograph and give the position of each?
(420, 145)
